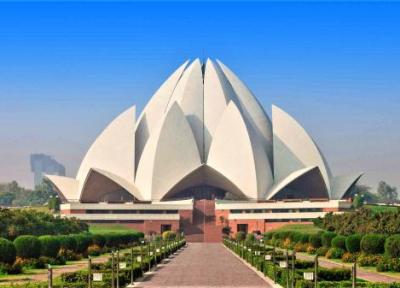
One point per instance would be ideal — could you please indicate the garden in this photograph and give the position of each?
(364, 238)
(283, 267)
(131, 255)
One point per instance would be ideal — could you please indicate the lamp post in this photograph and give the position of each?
(132, 266)
(354, 274)
(293, 267)
(316, 271)
(112, 270)
(50, 276)
(117, 268)
(273, 262)
(89, 272)
(287, 267)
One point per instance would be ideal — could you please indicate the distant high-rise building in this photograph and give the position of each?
(45, 164)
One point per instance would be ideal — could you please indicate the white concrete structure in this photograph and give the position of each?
(203, 118)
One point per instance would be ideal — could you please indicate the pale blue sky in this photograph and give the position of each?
(66, 69)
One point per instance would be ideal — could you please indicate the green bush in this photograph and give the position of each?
(304, 238)
(168, 235)
(240, 236)
(49, 246)
(368, 260)
(268, 235)
(82, 242)
(373, 244)
(315, 240)
(250, 238)
(27, 246)
(7, 251)
(67, 242)
(392, 246)
(388, 264)
(335, 274)
(353, 243)
(339, 242)
(99, 240)
(321, 251)
(326, 238)
(334, 253)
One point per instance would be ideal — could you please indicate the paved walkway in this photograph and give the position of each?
(204, 265)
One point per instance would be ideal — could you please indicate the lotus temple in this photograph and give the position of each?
(203, 154)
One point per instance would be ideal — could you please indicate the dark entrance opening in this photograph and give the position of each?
(242, 228)
(165, 227)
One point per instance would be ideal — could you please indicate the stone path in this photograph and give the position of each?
(204, 265)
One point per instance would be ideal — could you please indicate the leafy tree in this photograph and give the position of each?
(387, 193)
(363, 194)
(358, 201)
(17, 222)
(11, 194)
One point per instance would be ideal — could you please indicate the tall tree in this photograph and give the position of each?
(387, 193)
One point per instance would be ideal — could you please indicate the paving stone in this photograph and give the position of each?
(204, 265)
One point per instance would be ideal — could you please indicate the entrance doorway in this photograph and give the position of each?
(242, 228)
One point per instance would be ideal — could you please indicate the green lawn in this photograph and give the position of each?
(378, 208)
(108, 228)
(306, 228)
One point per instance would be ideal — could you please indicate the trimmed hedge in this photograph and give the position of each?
(334, 253)
(353, 243)
(83, 241)
(339, 242)
(67, 242)
(49, 246)
(373, 243)
(326, 238)
(315, 240)
(392, 246)
(7, 251)
(27, 246)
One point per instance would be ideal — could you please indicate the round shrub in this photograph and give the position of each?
(49, 246)
(392, 246)
(339, 242)
(7, 251)
(321, 251)
(315, 240)
(168, 235)
(372, 243)
(334, 253)
(67, 242)
(240, 236)
(27, 246)
(353, 243)
(326, 238)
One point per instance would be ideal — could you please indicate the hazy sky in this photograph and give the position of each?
(67, 69)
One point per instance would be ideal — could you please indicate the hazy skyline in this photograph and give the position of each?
(67, 69)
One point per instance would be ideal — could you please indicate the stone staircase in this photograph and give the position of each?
(203, 227)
